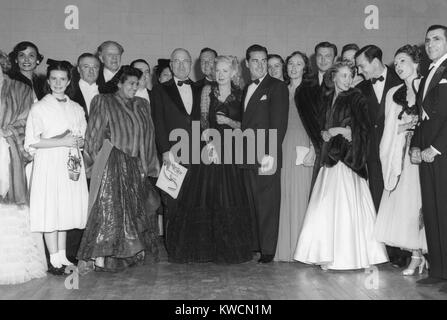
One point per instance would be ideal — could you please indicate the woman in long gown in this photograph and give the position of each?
(22, 255)
(399, 221)
(213, 221)
(120, 154)
(295, 178)
(338, 227)
(54, 133)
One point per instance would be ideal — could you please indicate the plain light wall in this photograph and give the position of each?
(151, 29)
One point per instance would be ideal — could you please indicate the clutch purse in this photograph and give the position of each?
(74, 165)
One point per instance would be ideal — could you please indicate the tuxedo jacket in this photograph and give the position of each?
(170, 113)
(433, 131)
(77, 96)
(268, 108)
(110, 86)
(376, 110)
(203, 82)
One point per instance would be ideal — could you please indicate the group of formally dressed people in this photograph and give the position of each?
(347, 173)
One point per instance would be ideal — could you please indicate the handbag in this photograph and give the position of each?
(74, 164)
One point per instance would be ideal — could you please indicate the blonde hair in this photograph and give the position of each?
(233, 62)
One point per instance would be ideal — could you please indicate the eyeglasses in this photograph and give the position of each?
(177, 61)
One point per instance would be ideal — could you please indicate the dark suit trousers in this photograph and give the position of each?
(434, 208)
(264, 196)
(375, 179)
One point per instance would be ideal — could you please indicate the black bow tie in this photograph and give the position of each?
(374, 80)
(187, 81)
(62, 100)
(255, 81)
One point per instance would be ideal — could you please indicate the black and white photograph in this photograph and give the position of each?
(223, 154)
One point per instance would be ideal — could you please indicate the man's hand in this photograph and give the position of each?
(309, 159)
(415, 156)
(326, 135)
(428, 155)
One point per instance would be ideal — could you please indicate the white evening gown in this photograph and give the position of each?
(399, 220)
(339, 223)
(22, 255)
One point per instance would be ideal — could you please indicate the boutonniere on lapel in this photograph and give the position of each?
(264, 97)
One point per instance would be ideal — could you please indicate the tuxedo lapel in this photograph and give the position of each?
(386, 87)
(257, 95)
(174, 94)
(420, 93)
(436, 78)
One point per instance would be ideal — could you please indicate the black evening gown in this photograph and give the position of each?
(213, 223)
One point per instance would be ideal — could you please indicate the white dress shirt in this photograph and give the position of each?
(88, 92)
(320, 77)
(142, 93)
(250, 90)
(108, 75)
(186, 94)
(379, 86)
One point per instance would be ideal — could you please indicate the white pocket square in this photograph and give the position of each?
(264, 97)
(443, 81)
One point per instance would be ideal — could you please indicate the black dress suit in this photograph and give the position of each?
(376, 110)
(203, 82)
(76, 95)
(110, 86)
(433, 176)
(268, 108)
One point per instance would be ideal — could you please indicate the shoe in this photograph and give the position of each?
(266, 258)
(56, 271)
(430, 280)
(421, 264)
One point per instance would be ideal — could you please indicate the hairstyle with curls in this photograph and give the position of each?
(306, 69)
(57, 65)
(107, 43)
(371, 52)
(22, 46)
(233, 62)
(326, 44)
(128, 71)
(255, 48)
(413, 51)
(330, 73)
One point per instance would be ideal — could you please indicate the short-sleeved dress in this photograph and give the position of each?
(57, 203)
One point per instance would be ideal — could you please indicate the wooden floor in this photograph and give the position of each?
(283, 281)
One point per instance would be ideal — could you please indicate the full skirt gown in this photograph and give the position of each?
(338, 228)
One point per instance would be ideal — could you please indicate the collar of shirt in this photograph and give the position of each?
(85, 85)
(260, 80)
(320, 77)
(438, 63)
(383, 74)
(108, 75)
(176, 80)
(142, 93)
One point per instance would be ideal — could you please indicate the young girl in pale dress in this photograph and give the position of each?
(55, 129)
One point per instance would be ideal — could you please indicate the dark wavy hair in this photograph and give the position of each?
(284, 70)
(57, 65)
(128, 71)
(21, 46)
(400, 96)
(255, 48)
(306, 70)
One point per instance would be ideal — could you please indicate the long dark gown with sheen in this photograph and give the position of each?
(213, 221)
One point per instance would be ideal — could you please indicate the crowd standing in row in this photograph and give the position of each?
(357, 178)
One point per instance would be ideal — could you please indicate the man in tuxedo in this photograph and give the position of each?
(176, 104)
(84, 86)
(145, 81)
(429, 148)
(109, 52)
(83, 89)
(378, 80)
(207, 56)
(266, 106)
(325, 54)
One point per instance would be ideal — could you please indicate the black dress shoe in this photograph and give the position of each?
(430, 280)
(266, 258)
(56, 271)
(399, 262)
